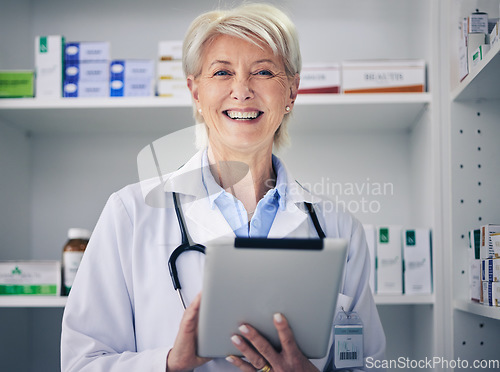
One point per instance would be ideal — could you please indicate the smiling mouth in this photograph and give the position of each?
(238, 115)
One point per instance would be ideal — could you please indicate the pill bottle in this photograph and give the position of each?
(72, 255)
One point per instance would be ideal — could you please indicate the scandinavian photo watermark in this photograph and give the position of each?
(354, 197)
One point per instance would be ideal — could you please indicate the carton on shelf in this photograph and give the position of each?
(487, 248)
(417, 261)
(87, 51)
(16, 83)
(30, 278)
(170, 50)
(49, 66)
(383, 76)
(389, 260)
(320, 78)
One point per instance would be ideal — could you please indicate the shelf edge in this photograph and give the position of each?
(477, 309)
(32, 301)
(462, 86)
(404, 299)
(162, 102)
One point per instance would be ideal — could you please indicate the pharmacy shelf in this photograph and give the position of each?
(404, 299)
(483, 81)
(478, 309)
(60, 301)
(32, 301)
(165, 115)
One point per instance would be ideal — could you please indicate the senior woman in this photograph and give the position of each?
(242, 68)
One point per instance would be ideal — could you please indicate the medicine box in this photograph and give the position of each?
(86, 51)
(486, 248)
(478, 23)
(16, 83)
(495, 294)
(473, 42)
(487, 295)
(474, 244)
(86, 88)
(49, 66)
(383, 76)
(169, 50)
(490, 269)
(475, 280)
(371, 243)
(389, 260)
(495, 244)
(170, 70)
(30, 278)
(141, 69)
(417, 261)
(479, 54)
(131, 88)
(494, 35)
(173, 89)
(491, 294)
(91, 71)
(320, 78)
(463, 65)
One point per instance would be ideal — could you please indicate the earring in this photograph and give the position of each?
(287, 109)
(199, 110)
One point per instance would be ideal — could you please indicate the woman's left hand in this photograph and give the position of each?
(260, 353)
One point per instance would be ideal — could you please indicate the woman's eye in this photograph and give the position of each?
(221, 73)
(264, 73)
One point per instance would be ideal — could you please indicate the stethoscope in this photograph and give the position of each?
(188, 245)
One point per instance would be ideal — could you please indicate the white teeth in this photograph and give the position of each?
(242, 115)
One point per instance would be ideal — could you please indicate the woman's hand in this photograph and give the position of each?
(182, 357)
(260, 353)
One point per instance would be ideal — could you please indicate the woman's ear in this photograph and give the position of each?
(193, 87)
(294, 89)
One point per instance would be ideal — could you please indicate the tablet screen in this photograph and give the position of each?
(248, 280)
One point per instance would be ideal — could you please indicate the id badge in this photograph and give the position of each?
(348, 329)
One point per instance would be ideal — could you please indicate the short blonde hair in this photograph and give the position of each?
(257, 23)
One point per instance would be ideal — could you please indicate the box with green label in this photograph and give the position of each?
(417, 261)
(16, 83)
(30, 278)
(389, 260)
(49, 66)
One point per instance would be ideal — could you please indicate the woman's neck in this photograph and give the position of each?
(247, 177)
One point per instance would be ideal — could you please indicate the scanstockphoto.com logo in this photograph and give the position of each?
(355, 197)
(405, 363)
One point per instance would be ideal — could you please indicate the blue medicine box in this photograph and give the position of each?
(86, 51)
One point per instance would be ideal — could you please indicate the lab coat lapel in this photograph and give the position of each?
(291, 221)
(203, 222)
(287, 222)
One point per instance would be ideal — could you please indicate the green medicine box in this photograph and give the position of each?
(16, 83)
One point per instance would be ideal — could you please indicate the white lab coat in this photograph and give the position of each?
(123, 313)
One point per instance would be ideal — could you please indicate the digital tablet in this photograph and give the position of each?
(249, 280)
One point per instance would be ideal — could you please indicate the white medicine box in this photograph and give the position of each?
(30, 278)
(487, 248)
(170, 50)
(49, 66)
(317, 78)
(383, 76)
(417, 261)
(389, 260)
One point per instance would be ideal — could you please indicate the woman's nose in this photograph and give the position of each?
(241, 90)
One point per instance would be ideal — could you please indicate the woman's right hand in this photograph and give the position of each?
(182, 357)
